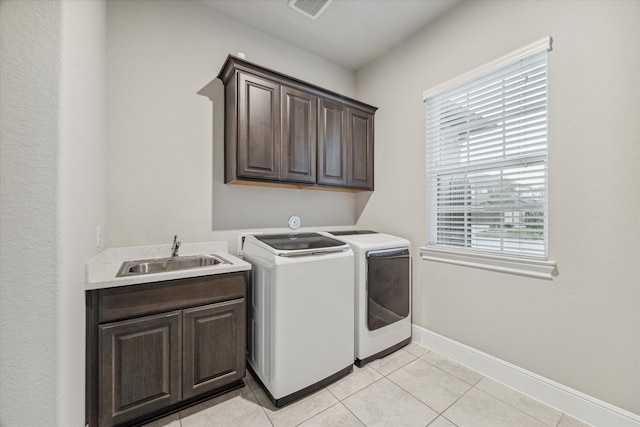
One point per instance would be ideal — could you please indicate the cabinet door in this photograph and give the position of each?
(214, 346)
(332, 139)
(258, 128)
(360, 153)
(139, 366)
(298, 136)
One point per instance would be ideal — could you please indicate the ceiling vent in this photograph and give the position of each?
(309, 8)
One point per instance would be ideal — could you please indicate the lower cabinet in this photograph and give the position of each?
(212, 365)
(152, 362)
(140, 362)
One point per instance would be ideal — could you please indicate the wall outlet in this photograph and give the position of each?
(98, 236)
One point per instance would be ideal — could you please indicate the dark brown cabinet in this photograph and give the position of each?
(299, 110)
(332, 143)
(140, 363)
(359, 149)
(259, 136)
(155, 348)
(213, 343)
(286, 132)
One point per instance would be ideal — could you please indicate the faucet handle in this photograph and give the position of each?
(175, 246)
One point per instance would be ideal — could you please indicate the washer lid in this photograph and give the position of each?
(373, 241)
(298, 244)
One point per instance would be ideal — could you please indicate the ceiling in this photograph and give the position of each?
(350, 33)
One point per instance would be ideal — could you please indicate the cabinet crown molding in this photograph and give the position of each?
(233, 64)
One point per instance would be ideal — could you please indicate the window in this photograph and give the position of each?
(486, 164)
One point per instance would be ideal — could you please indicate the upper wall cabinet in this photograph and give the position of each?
(284, 132)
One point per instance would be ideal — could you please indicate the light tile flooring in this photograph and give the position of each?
(411, 387)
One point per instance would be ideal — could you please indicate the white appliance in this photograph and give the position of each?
(300, 312)
(383, 292)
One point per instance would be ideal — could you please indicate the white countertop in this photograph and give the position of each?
(100, 272)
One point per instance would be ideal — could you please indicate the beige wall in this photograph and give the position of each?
(82, 189)
(583, 328)
(165, 141)
(27, 213)
(52, 186)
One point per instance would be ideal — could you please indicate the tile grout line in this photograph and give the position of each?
(376, 381)
(558, 423)
(454, 375)
(514, 407)
(418, 399)
(261, 407)
(441, 414)
(324, 410)
(399, 367)
(471, 386)
(474, 386)
(359, 390)
(455, 401)
(414, 359)
(382, 376)
(351, 412)
(407, 391)
(339, 402)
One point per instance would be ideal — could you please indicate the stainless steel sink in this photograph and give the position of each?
(163, 265)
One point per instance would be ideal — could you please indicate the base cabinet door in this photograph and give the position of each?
(213, 346)
(140, 362)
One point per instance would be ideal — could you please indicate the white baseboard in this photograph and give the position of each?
(572, 402)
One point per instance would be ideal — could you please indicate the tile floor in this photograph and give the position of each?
(411, 387)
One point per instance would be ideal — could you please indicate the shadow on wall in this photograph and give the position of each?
(236, 207)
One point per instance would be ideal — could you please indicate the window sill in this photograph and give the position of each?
(539, 269)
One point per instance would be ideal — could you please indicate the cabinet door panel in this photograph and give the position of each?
(259, 128)
(332, 139)
(298, 136)
(139, 366)
(214, 342)
(360, 155)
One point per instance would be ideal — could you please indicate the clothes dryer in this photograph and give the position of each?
(382, 265)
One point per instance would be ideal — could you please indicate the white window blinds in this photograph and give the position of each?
(487, 161)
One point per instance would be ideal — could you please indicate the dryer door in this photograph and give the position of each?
(388, 287)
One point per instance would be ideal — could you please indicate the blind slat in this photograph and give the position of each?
(486, 161)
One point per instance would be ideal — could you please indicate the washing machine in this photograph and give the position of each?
(382, 277)
(300, 312)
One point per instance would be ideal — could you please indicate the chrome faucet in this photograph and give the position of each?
(175, 247)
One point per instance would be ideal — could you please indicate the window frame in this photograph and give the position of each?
(530, 266)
